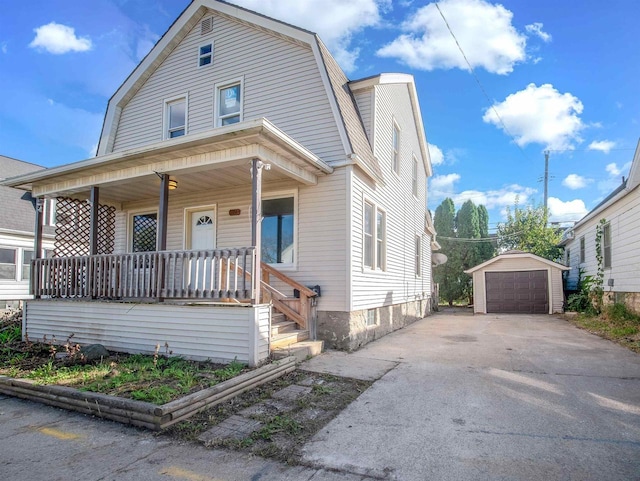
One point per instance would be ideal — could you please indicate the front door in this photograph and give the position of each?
(202, 236)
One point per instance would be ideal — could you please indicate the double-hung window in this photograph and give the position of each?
(7, 264)
(418, 255)
(205, 55)
(278, 230)
(606, 245)
(582, 256)
(374, 237)
(175, 117)
(229, 98)
(396, 148)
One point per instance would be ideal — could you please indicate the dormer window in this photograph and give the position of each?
(205, 55)
(175, 117)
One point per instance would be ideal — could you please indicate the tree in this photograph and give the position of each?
(526, 230)
(449, 274)
(486, 249)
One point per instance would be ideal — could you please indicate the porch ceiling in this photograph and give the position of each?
(219, 158)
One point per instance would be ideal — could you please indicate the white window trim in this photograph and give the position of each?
(376, 262)
(582, 247)
(418, 255)
(165, 114)
(278, 195)
(217, 120)
(607, 227)
(376, 318)
(395, 165)
(130, 215)
(210, 42)
(186, 238)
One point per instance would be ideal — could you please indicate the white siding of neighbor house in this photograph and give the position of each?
(281, 82)
(405, 214)
(554, 277)
(17, 290)
(624, 219)
(218, 333)
(321, 226)
(364, 100)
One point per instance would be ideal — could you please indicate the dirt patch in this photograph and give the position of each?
(625, 332)
(286, 421)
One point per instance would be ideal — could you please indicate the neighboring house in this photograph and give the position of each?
(517, 282)
(619, 243)
(238, 166)
(17, 223)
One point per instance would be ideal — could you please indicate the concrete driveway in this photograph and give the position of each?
(489, 397)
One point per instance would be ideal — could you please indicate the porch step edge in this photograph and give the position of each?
(287, 338)
(300, 350)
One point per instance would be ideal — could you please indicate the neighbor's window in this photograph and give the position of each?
(278, 230)
(606, 245)
(396, 148)
(229, 100)
(175, 120)
(418, 255)
(27, 257)
(205, 55)
(582, 257)
(7, 263)
(568, 253)
(373, 255)
(144, 230)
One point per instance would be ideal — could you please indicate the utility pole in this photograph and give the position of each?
(546, 180)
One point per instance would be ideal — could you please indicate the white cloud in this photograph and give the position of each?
(491, 199)
(437, 157)
(613, 169)
(335, 21)
(602, 145)
(4, 47)
(536, 29)
(575, 181)
(540, 115)
(58, 39)
(560, 211)
(483, 30)
(443, 183)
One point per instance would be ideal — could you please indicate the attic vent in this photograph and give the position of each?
(206, 26)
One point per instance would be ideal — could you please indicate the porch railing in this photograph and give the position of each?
(206, 274)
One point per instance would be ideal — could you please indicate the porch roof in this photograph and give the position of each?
(215, 158)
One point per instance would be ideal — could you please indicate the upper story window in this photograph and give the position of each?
(205, 55)
(414, 177)
(175, 117)
(582, 256)
(396, 148)
(606, 245)
(228, 103)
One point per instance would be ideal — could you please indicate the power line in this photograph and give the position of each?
(492, 106)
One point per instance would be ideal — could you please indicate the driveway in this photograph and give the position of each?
(490, 397)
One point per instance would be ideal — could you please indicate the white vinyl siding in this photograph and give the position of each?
(395, 146)
(282, 83)
(623, 218)
(405, 214)
(582, 250)
(321, 229)
(217, 333)
(364, 100)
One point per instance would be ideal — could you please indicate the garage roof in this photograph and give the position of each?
(514, 254)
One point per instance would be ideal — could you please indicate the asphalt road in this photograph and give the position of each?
(460, 398)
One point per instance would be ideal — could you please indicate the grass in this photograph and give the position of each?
(616, 323)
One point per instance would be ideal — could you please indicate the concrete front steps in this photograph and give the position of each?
(287, 340)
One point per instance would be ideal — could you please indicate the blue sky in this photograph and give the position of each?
(548, 74)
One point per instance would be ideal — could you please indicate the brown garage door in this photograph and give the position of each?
(524, 292)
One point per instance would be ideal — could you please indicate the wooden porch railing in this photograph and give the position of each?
(166, 274)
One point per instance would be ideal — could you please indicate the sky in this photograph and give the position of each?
(498, 84)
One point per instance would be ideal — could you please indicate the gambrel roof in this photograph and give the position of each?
(354, 140)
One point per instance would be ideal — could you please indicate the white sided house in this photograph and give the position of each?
(17, 221)
(619, 218)
(245, 195)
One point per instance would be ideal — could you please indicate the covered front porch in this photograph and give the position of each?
(131, 233)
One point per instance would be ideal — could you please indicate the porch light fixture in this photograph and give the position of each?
(173, 184)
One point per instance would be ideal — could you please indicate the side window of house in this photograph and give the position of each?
(374, 237)
(175, 117)
(396, 148)
(606, 246)
(27, 257)
(229, 104)
(568, 253)
(414, 177)
(205, 54)
(278, 243)
(582, 256)
(7, 264)
(144, 229)
(418, 255)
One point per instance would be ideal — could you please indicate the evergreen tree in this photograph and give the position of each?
(449, 274)
(486, 249)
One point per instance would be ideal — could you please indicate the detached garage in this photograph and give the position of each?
(517, 282)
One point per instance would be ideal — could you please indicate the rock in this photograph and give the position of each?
(94, 352)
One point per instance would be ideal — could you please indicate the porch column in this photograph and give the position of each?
(256, 224)
(37, 244)
(161, 242)
(94, 202)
